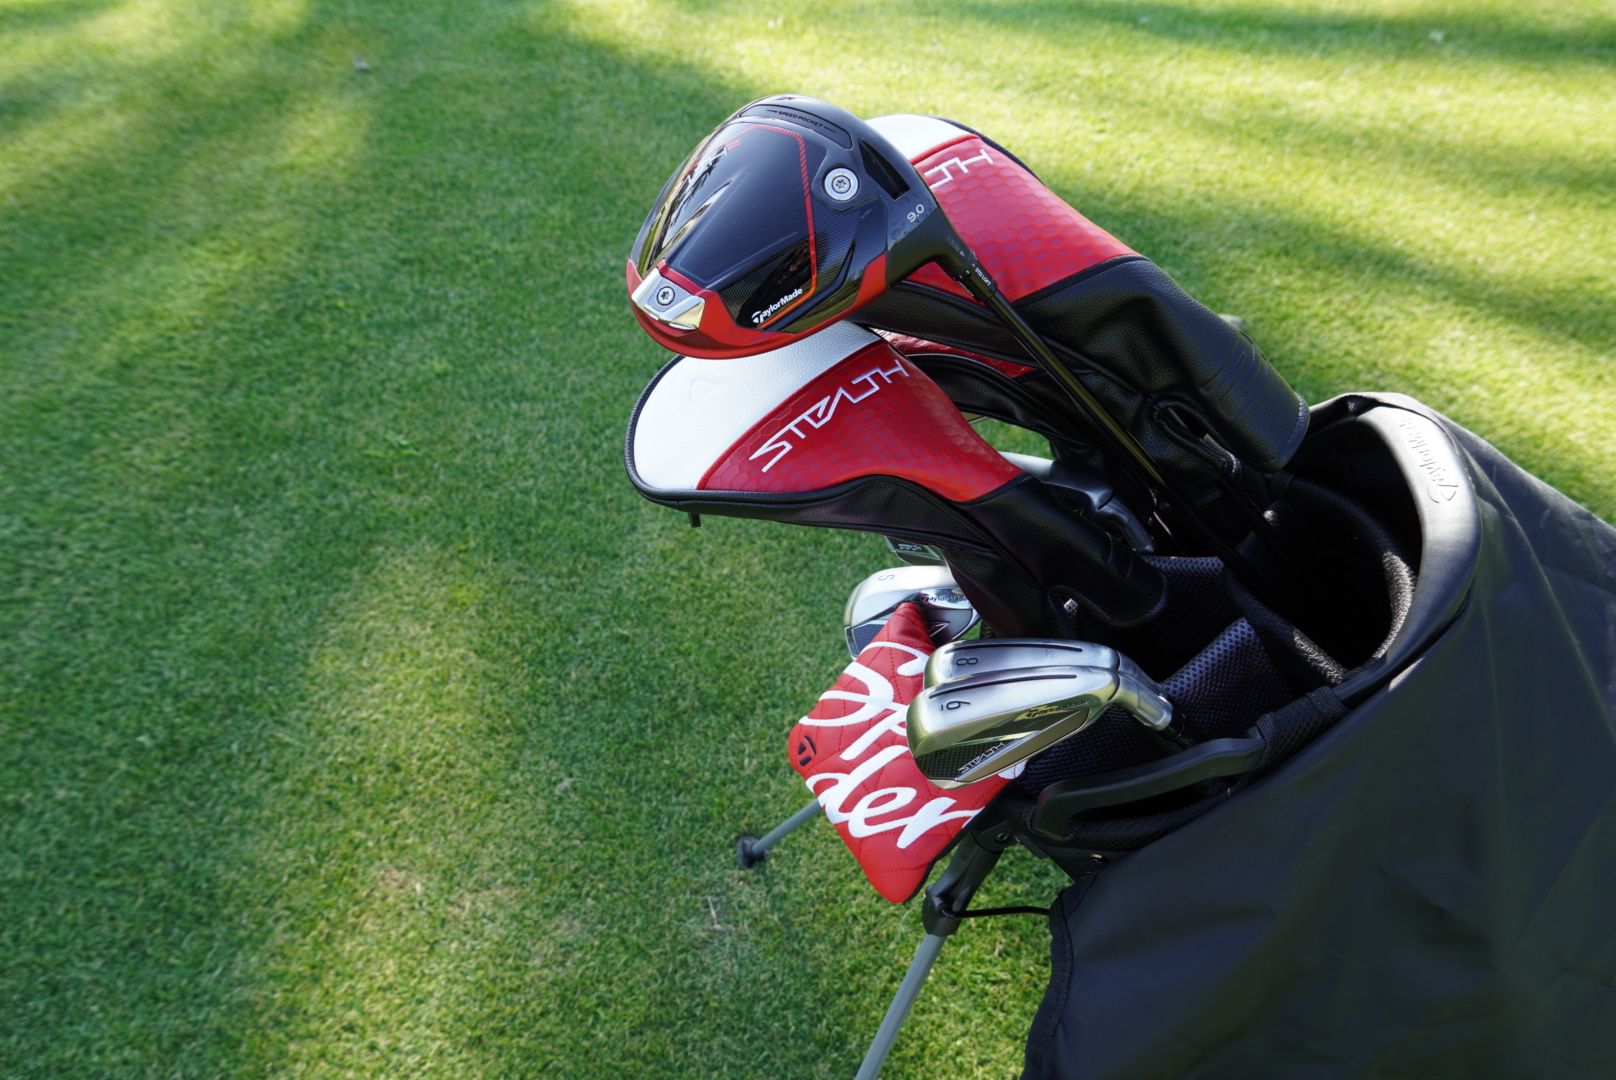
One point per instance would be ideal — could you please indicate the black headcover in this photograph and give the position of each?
(1161, 362)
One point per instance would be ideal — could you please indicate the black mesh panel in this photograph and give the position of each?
(1220, 693)
(1228, 685)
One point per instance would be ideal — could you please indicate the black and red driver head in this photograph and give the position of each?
(789, 216)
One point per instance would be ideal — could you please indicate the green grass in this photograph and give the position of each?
(358, 719)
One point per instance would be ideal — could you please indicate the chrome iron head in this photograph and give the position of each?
(961, 659)
(915, 554)
(970, 727)
(948, 613)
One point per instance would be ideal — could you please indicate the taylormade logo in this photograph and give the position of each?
(776, 306)
(1442, 487)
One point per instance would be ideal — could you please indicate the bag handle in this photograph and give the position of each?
(1450, 533)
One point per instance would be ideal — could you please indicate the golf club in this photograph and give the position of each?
(915, 554)
(793, 214)
(948, 613)
(962, 659)
(970, 728)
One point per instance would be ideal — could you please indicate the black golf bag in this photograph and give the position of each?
(1413, 880)
(1390, 852)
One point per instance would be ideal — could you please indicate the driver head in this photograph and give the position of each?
(790, 215)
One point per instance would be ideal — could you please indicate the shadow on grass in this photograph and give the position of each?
(1559, 307)
(1503, 35)
(1223, 249)
(151, 628)
(50, 15)
(1364, 277)
(1574, 313)
(313, 434)
(1259, 33)
(359, 715)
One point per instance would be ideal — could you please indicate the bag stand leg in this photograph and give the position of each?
(978, 851)
(749, 850)
(898, 1011)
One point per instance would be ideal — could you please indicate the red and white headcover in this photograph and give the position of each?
(854, 753)
(836, 406)
(1027, 237)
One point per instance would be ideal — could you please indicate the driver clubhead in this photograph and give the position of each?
(791, 215)
(948, 613)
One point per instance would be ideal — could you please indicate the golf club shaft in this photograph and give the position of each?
(981, 285)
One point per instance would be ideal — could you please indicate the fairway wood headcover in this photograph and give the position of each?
(853, 752)
(1162, 364)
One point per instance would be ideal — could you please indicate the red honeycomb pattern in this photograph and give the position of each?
(1026, 237)
(874, 413)
(913, 346)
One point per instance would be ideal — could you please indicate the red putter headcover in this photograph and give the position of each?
(853, 752)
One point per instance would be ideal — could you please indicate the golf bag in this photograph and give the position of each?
(1388, 854)
(1413, 880)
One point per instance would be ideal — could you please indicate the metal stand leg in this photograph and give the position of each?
(978, 852)
(898, 1011)
(749, 850)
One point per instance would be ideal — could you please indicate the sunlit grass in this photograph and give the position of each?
(393, 840)
(355, 715)
(1396, 196)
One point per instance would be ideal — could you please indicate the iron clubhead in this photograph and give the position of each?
(962, 659)
(915, 554)
(972, 727)
(948, 613)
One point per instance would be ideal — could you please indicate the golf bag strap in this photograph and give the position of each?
(1275, 737)
(1058, 802)
(1285, 731)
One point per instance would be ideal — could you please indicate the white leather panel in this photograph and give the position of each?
(915, 135)
(701, 408)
